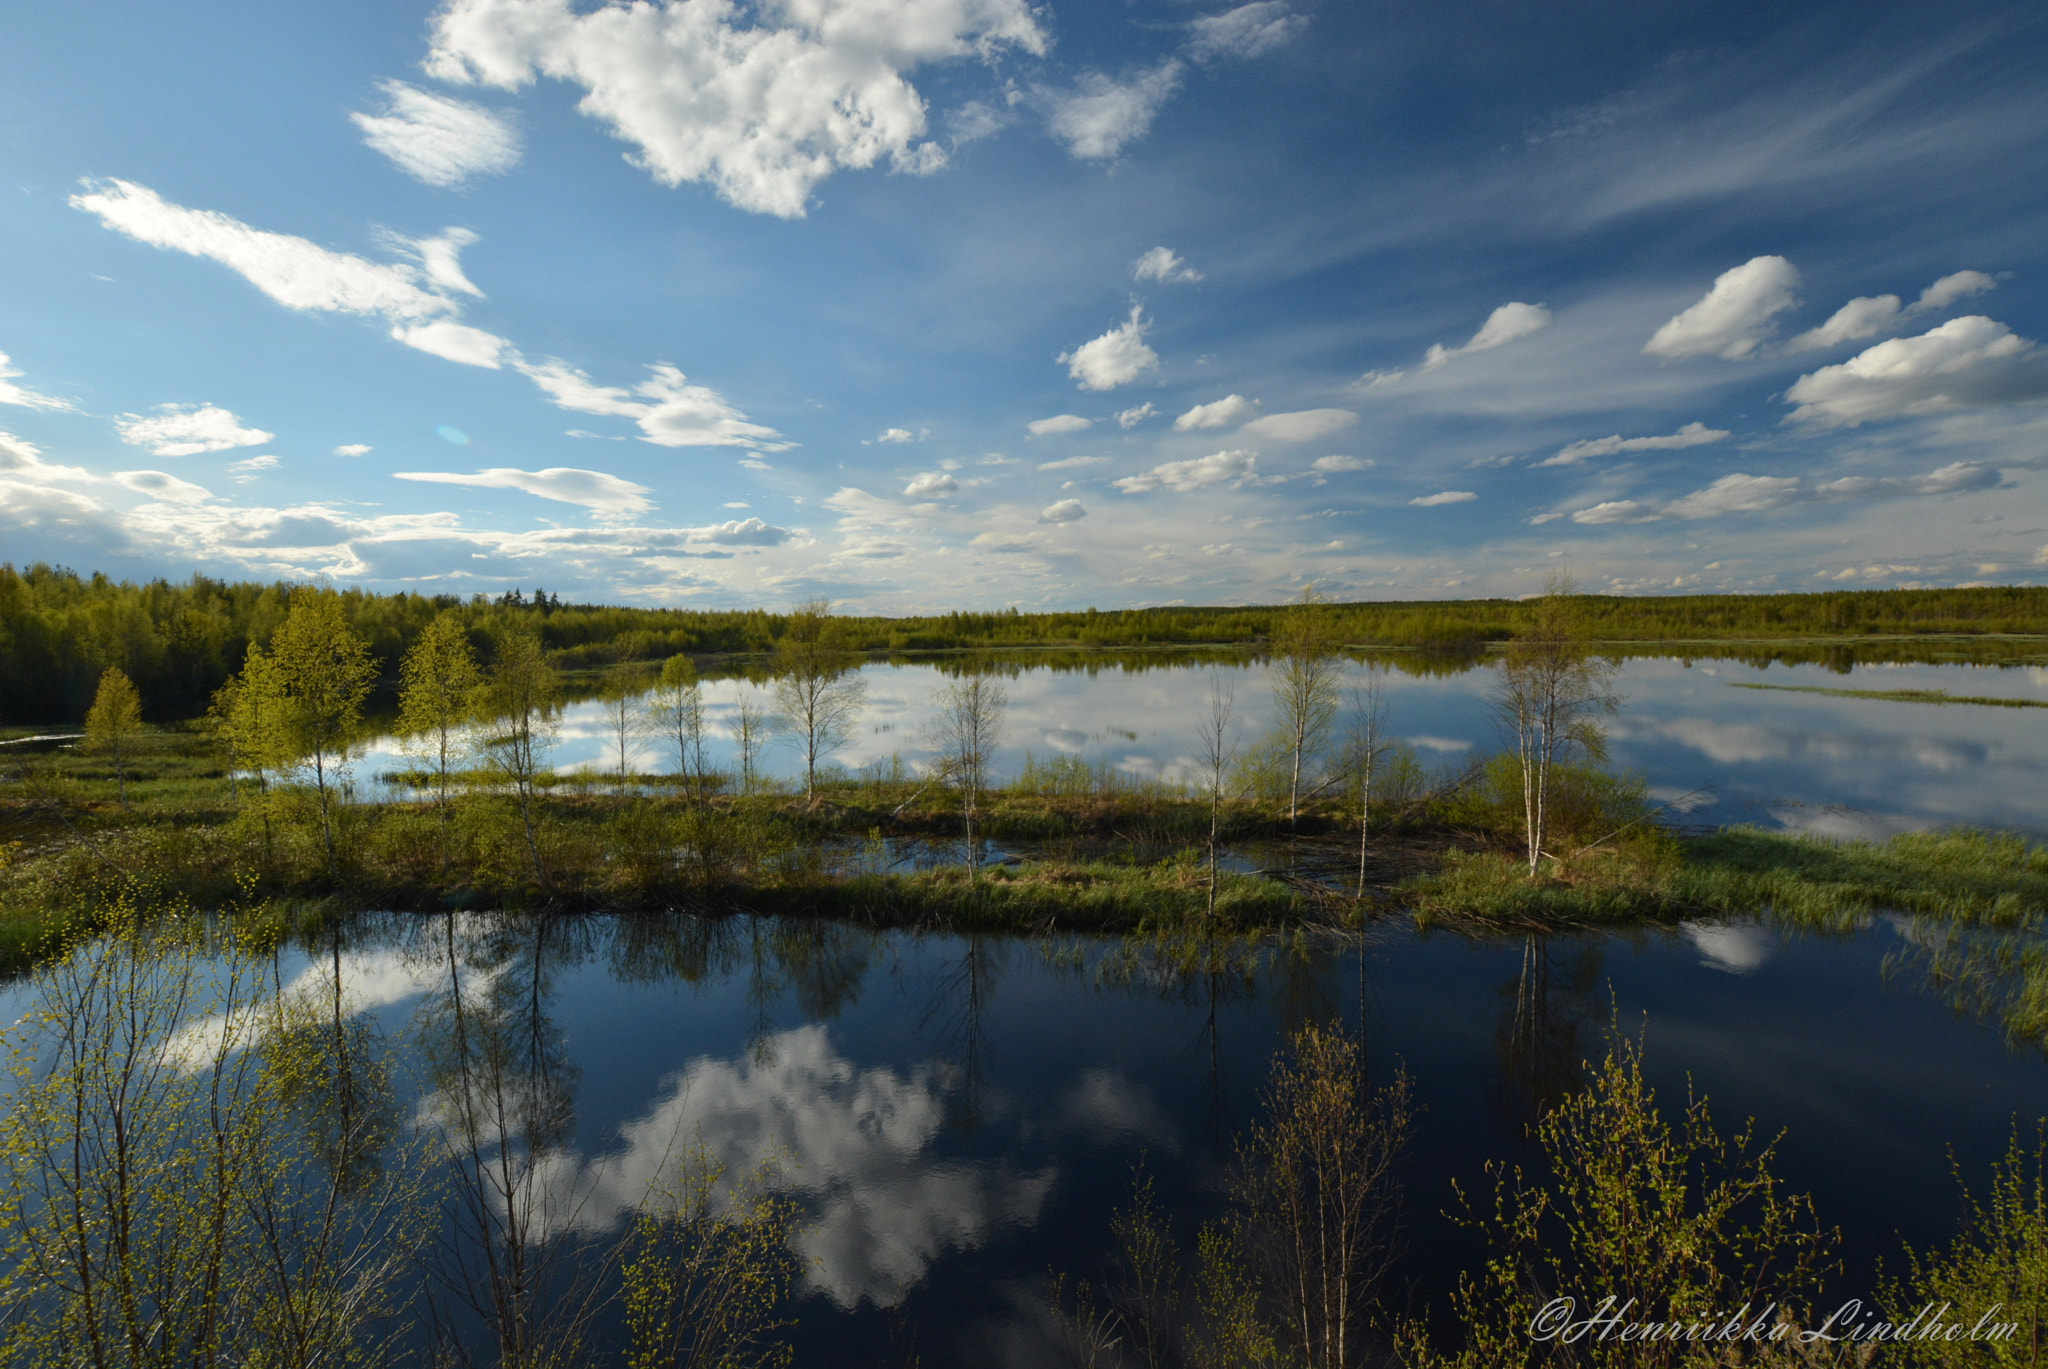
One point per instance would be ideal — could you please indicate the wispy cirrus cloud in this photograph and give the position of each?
(605, 495)
(436, 139)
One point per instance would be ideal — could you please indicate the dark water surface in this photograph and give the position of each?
(959, 1115)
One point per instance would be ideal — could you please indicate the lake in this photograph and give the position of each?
(958, 1116)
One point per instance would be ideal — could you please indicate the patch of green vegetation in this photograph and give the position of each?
(1967, 878)
(1899, 696)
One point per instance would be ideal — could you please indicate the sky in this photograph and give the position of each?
(930, 304)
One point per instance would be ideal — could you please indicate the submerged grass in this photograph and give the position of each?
(1900, 696)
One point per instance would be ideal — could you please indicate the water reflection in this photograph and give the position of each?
(1547, 1026)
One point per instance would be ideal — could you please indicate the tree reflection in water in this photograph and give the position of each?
(1540, 1039)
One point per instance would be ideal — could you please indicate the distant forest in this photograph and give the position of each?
(179, 642)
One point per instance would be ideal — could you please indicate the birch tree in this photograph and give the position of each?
(113, 724)
(1306, 673)
(321, 672)
(678, 712)
(819, 692)
(437, 685)
(1548, 700)
(966, 727)
(1368, 745)
(520, 697)
(1216, 747)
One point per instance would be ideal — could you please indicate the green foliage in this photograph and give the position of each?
(1672, 1220)
(113, 721)
(708, 1271)
(1999, 1261)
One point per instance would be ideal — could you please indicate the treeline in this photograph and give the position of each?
(60, 631)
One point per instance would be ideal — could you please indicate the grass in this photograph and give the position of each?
(1899, 696)
(1964, 878)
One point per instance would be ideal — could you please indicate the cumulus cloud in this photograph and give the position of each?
(1065, 511)
(1058, 423)
(413, 297)
(353, 449)
(1102, 115)
(1691, 435)
(670, 411)
(930, 485)
(1116, 358)
(163, 487)
(1869, 315)
(1510, 323)
(740, 532)
(1221, 413)
(1131, 418)
(436, 139)
(1968, 362)
(897, 435)
(607, 496)
(1246, 31)
(1304, 425)
(1734, 317)
(1217, 468)
(1744, 493)
(1164, 265)
(760, 112)
(187, 430)
(1430, 501)
(11, 393)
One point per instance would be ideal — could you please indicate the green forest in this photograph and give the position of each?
(60, 630)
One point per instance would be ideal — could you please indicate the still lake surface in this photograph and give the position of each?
(960, 1115)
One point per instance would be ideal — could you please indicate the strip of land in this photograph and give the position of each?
(1899, 696)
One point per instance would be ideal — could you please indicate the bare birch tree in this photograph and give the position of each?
(519, 696)
(1551, 693)
(1368, 744)
(625, 721)
(965, 729)
(1307, 673)
(749, 731)
(1216, 747)
(818, 691)
(677, 710)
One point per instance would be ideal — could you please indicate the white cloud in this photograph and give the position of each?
(246, 471)
(303, 275)
(1059, 423)
(1332, 465)
(1164, 265)
(1102, 116)
(1116, 358)
(436, 139)
(605, 495)
(1131, 418)
(1378, 380)
(1430, 501)
(21, 459)
(1217, 468)
(1065, 511)
(761, 113)
(1965, 363)
(1073, 463)
(1691, 435)
(1744, 493)
(1222, 413)
(452, 341)
(1864, 317)
(670, 411)
(1733, 318)
(1950, 288)
(187, 430)
(353, 449)
(1245, 31)
(740, 532)
(930, 485)
(1616, 511)
(897, 435)
(1305, 425)
(165, 488)
(1510, 323)
(27, 399)
(1737, 494)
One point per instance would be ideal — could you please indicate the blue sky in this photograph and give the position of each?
(969, 303)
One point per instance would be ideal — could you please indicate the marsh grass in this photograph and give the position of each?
(1899, 696)
(1969, 878)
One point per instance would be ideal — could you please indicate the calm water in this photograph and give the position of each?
(1777, 759)
(959, 1116)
